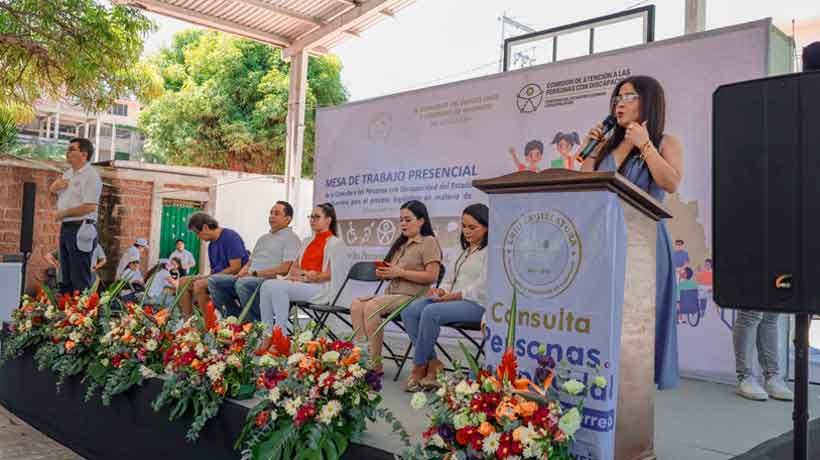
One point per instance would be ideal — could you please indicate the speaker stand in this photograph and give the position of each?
(800, 415)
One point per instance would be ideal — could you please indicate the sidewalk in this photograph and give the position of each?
(19, 441)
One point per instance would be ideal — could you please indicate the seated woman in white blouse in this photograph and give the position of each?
(461, 298)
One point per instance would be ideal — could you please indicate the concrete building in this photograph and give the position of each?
(114, 133)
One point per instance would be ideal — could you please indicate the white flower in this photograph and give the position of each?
(491, 443)
(437, 441)
(419, 400)
(295, 358)
(441, 391)
(75, 336)
(526, 435)
(570, 421)
(292, 406)
(147, 373)
(104, 362)
(267, 361)
(600, 381)
(215, 371)
(50, 313)
(357, 371)
(339, 388)
(273, 395)
(330, 410)
(200, 349)
(573, 387)
(88, 322)
(28, 324)
(151, 345)
(234, 361)
(330, 357)
(529, 452)
(464, 388)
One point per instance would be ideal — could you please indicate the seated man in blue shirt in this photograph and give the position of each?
(226, 254)
(273, 254)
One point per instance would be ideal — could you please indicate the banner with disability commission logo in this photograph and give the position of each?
(564, 254)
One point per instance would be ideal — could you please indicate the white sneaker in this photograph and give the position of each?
(777, 389)
(750, 389)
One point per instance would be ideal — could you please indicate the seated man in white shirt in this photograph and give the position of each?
(184, 255)
(273, 254)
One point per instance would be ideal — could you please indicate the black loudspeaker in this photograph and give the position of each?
(766, 194)
(27, 222)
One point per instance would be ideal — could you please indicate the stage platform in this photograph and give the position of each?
(702, 421)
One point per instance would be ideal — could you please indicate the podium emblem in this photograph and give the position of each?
(542, 253)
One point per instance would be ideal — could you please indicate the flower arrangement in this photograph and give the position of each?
(316, 396)
(72, 332)
(130, 351)
(29, 325)
(205, 367)
(495, 415)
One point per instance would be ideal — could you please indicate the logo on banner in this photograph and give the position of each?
(542, 253)
(529, 98)
(380, 126)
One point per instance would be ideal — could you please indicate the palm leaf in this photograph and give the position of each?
(470, 360)
(248, 304)
(513, 319)
(393, 314)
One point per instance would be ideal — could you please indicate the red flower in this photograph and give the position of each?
(339, 345)
(468, 436)
(210, 316)
(508, 446)
(262, 418)
(148, 310)
(305, 413)
(508, 367)
(279, 342)
(37, 320)
(93, 300)
(169, 355)
(188, 358)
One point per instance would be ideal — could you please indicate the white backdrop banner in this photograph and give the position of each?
(430, 144)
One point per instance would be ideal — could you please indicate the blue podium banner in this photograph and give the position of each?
(565, 255)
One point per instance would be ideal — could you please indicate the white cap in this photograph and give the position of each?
(141, 242)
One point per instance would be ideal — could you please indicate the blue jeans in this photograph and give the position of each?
(225, 289)
(756, 328)
(423, 320)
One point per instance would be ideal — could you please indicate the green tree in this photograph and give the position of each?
(225, 103)
(76, 48)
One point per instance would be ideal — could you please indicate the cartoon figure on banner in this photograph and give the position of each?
(385, 232)
(351, 234)
(533, 153)
(564, 144)
(689, 301)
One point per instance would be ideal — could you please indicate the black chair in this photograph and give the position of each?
(462, 327)
(360, 271)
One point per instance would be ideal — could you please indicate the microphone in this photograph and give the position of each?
(609, 123)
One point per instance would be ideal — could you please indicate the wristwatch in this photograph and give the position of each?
(253, 273)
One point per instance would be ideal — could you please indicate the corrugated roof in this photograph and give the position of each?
(315, 25)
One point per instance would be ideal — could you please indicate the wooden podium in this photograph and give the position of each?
(634, 420)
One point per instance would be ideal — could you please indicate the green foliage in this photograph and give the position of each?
(224, 103)
(78, 48)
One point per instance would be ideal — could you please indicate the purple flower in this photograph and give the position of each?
(541, 374)
(447, 433)
(546, 361)
(374, 379)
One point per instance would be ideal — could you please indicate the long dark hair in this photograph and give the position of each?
(481, 213)
(420, 211)
(330, 211)
(653, 111)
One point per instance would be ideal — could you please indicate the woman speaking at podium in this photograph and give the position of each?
(653, 160)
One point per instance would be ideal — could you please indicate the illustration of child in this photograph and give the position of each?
(564, 145)
(533, 153)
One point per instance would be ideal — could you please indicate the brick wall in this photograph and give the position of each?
(125, 215)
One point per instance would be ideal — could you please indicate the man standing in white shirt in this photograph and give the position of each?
(188, 261)
(78, 195)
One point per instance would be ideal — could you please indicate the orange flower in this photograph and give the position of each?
(279, 342)
(353, 357)
(69, 345)
(527, 408)
(307, 363)
(196, 364)
(521, 384)
(247, 327)
(79, 320)
(506, 409)
(218, 388)
(127, 337)
(162, 316)
(548, 381)
(517, 433)
(508, 368)
(485, 429)
(312, 347)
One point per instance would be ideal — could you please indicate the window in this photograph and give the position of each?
(119, 109)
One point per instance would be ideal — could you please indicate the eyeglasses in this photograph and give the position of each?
(314, 216)
(625, 98)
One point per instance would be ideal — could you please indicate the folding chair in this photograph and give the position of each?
(360, 271)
